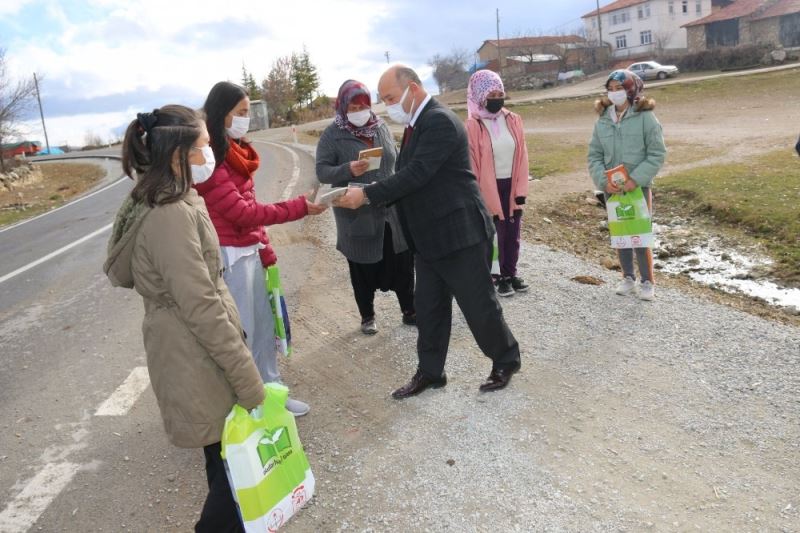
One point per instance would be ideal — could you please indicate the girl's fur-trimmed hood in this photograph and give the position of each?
(643, 104)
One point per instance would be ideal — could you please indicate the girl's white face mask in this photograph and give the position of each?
(201, 173)
(618, 97)
(239, 127)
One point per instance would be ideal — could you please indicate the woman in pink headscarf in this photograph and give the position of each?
(500, 161)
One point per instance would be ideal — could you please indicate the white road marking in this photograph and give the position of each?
(18, 224)
(51, 255)
(24, 510)
(288, 192)
(121, 401)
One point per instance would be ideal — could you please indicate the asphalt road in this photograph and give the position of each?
(69, 341)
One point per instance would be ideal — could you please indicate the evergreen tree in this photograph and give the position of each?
(306, 79)
(250, 85)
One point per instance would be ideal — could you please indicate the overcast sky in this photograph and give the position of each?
(104, 60)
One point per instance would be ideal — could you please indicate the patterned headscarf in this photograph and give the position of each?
(631, 82)
(481, 84)
(354, 92)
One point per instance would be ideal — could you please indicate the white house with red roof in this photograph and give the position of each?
(645, 28)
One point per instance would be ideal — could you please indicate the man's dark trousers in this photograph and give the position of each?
(465, 275)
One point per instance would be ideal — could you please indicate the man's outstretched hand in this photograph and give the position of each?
(353, 199)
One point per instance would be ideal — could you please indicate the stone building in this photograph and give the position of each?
(747, 22)
(544, 54)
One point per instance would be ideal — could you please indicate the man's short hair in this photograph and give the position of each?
(406, 75)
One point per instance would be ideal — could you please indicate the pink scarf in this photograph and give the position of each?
(480, 84)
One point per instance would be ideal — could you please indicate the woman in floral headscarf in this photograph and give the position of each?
(628, 133)
(370, 237)
(500, 161)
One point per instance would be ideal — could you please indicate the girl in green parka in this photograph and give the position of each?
(628, 133)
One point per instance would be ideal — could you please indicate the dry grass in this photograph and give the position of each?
(60, 183)
(551, 155)
(760, 196)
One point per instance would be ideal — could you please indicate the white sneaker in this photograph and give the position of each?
(647, 291)
(626, 286)
(296, 407)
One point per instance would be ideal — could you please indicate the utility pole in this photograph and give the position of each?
(599, 24)
(386, 53)
(499, 55)
(41, 113)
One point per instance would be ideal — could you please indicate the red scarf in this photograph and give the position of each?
(242, 157)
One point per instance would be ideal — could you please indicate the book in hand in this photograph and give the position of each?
(373, 155)
(331, 195)
(617, 176)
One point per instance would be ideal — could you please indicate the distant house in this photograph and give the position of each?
(27, 148)
(645, 28)
(772, 22)
(545, 54)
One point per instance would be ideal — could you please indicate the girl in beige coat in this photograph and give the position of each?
(164, 246)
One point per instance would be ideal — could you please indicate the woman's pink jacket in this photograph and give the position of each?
(482, 158)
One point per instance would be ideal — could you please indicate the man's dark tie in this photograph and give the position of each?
(407, 134)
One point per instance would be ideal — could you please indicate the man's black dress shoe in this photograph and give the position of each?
(499, 378)
(419, 383)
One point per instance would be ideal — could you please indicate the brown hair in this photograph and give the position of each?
(148, 150)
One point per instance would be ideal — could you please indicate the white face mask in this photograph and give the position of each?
(396, 111)
(359, 118)
(618, 97)
(238, 128)
(201, 173)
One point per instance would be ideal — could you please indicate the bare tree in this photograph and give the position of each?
(450, 71)
(92, 140)
(661, 39)
(15, 100)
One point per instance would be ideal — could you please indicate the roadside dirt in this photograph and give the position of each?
(573, 222)
(591, 436)
(59, 183)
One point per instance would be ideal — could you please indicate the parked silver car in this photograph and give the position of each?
(650, 70)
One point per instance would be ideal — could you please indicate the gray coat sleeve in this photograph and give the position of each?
(329, 169)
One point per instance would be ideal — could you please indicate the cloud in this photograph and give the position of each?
(58, 101)
(100, 57)
(72, 130)
(8, 8)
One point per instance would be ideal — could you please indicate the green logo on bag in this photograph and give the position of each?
(625, 212)
(274, 447)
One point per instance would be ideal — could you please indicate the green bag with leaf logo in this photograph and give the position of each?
(280, 313)
(268, 470)
(629, 221)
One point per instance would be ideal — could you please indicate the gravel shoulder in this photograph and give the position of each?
(673, 415)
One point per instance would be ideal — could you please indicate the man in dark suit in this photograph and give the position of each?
(449, 230)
